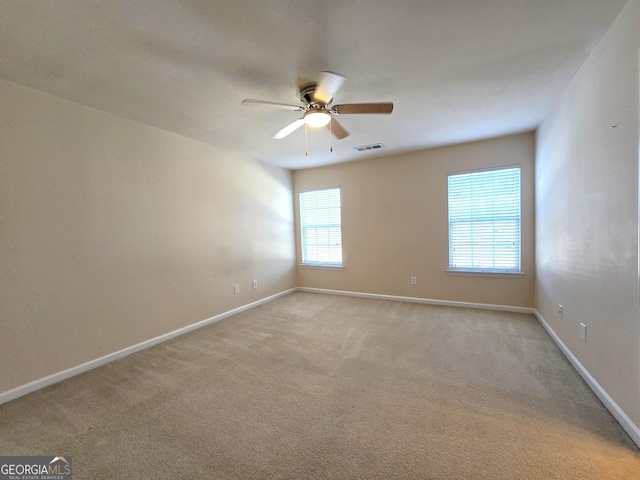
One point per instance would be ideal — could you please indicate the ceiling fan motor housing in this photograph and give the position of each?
(307, 92)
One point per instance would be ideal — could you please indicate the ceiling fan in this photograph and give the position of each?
(316, 98)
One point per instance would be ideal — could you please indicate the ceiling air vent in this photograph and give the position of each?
(364, 148)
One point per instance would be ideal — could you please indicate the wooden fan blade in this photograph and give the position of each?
(337, 129)
(351, 108)
(280, 134)
(328, 84)
(284, 106)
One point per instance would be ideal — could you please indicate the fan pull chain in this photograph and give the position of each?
(330, 137)
(306, 143)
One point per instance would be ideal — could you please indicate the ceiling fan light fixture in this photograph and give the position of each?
(317, 118)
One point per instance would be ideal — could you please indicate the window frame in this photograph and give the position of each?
(470, 269)
(304, 246)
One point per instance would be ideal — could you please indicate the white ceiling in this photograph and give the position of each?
(456, 70)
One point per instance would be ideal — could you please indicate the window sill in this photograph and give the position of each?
(320, 265)
(475, 273)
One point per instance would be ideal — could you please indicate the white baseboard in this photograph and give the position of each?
(98, 362)
(615, 410)
(427, 301)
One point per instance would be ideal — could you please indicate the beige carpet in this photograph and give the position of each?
(319, 386)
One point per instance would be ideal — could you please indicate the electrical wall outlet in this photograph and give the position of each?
(583, 332)
(413, 280)
(236, 289)
(255, 284)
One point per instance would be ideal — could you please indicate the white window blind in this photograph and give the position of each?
(484, 220)
(321, 228)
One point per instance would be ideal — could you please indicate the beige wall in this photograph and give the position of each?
(112, 233)
(587, 214)
(394, 221)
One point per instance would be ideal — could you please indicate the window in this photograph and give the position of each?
(484, 221)
(320, 227)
